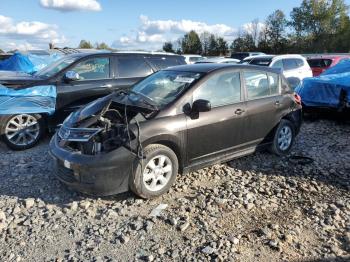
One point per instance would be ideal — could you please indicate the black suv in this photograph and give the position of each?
(176, 120)
(79, 78)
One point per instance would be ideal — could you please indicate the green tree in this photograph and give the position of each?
(276, 25)
(213, 49)
(244, 43)
(191, 43)
(85, 44)
(317, 24)
(168, 47)
(103, 46)
(222, 46)
(1, 51)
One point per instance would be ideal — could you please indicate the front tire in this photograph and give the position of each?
(22, 131)
(156, 173)
(283, 138)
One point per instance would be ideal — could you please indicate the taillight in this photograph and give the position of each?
(297, 98)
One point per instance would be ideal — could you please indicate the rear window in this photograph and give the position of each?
(319, 63)
(133, 67)
(261, 61)
(165, 62)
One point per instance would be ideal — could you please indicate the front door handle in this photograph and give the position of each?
(278, 103)
(239, 111)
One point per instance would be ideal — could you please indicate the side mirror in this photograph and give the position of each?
(71, 76)
(201, 105)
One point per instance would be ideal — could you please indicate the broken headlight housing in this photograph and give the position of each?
(78, 134)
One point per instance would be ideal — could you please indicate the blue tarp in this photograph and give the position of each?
(31, 100)
(327, 89)
(27, 63)
(17, 62)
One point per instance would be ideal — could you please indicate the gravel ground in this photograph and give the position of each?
(258, 208)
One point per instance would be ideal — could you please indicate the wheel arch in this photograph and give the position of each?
(171, 142)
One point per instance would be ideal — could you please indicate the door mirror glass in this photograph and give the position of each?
(201, 105)
(71, 76)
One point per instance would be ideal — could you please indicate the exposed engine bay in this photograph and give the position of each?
(114, 126)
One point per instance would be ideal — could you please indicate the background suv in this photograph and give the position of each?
(294, 67)
(79, 78)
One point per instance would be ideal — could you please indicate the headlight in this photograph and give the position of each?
(78, 134)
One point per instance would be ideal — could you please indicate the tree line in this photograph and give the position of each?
(316, 26)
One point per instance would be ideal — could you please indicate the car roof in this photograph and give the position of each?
(210, 67)
(153, 54)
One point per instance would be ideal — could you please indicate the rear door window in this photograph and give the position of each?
(131, 66)
(221, 89)
(260, 84)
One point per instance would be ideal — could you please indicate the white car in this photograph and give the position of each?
(191, 59)
(294, 67)
(219, 60)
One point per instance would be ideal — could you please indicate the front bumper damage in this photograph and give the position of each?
(99, 175)
(97, 148)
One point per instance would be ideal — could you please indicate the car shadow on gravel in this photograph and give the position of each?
(29, 174)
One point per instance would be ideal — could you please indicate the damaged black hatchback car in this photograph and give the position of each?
(175, 121)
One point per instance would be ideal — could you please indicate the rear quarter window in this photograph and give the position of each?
(289, 64)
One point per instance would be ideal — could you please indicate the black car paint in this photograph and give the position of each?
(212, 137)
(74, 94)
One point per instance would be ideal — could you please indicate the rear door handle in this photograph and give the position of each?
(239, 111)
(277, 103)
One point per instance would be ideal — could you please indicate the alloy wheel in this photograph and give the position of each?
(157, 173)
(22, 130)
(284, 138)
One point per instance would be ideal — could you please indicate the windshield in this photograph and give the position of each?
(54, 68)
(164, 87)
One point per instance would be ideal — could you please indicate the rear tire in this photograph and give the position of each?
(22, 131)
(284, 138)
(156, 173)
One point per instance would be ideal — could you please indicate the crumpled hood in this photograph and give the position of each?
(121, 99)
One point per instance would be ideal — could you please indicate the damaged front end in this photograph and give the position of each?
(103, 125)
(96, 147)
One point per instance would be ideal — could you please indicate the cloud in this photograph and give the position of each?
(71, 5)
(151, 34)
(253, 26)
(32, 33)
(182, 26)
